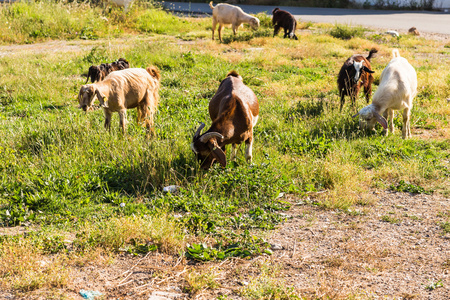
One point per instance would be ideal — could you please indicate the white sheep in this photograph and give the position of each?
(397, 89)
(122, 90)
(226, 14)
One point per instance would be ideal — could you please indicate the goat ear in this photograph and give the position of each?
(380, 119)
(218, 154)
(368, 70)
(354, 116)
(100, 96)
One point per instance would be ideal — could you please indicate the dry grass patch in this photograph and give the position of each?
(24, 267)
(161, 232)
(201, 280)
(268, 284)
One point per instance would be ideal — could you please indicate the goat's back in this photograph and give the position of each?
(398, 82)
(130, 86)
(233, 90)
(226, 12)
(282, 17)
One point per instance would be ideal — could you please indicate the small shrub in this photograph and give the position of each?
(346, 32)
(404, 186)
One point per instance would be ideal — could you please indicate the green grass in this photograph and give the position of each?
(63, 173)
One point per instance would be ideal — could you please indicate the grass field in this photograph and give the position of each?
(83, 193)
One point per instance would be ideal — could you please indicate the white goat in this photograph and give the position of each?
(122, 90)
(225, 14)
(397, 89)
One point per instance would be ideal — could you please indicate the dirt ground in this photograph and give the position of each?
(393, 249)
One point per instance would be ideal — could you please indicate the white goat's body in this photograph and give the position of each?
(122, 90)
(397, 89)
(123, 3)
(226, 14)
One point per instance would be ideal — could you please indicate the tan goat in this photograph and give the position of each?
(122, 90)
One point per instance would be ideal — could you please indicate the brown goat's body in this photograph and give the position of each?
(234, 110)
(285, 20)
(347, 86)
(125, 89)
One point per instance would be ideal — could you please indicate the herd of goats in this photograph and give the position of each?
(234, 108)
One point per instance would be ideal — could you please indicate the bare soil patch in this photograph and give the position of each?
(393, 249)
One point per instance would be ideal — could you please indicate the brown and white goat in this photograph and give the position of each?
(356, 72)
(284, 19)
(122, 90)
(234, 112)
(98, 73)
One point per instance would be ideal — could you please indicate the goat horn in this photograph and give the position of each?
(199, 130)
(204, 138)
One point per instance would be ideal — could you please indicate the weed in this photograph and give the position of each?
(404, 186)
(390, 219)
(445, 227)
(431, 286)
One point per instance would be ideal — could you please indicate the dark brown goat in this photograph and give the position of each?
(234, 111)
(356, 72)
(283, 19)
(98, 73)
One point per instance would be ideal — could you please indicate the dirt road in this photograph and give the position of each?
(429, 22)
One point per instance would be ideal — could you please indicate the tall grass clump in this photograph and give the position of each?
(40, 20)
(346, 32)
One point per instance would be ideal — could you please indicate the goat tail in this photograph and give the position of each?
(372, 53)
(154, 72)
(395, 53)
(234, 73)
(211, 5)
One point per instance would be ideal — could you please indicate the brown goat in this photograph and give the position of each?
(356, 72)
(284, 19)
(98, 73)
(122, 90)
(234, 112)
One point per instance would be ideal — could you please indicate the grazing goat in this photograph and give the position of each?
(234, 112)
(98, 73)
(397, 89)
(356, 72)
(225, 14)
(283, 19)
(122, 90)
